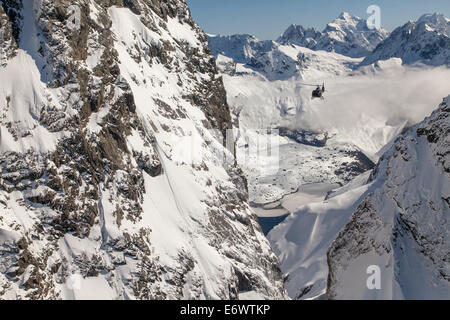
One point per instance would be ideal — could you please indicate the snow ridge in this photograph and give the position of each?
(402, 225)
(426, 41)
(348, 35)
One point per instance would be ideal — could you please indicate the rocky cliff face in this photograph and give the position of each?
(114, 183)
(297, 34)
(401, 225)
(8, 47)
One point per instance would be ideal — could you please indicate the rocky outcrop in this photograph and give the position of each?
(8, 31)
(95, 173)
(401, 226)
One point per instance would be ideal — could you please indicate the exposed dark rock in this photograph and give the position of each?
(305, 137)
(90, 188)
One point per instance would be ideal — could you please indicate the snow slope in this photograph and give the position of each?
(301, 242)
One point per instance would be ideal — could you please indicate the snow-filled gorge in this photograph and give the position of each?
(143, 159)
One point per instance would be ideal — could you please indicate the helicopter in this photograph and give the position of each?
(318, 92)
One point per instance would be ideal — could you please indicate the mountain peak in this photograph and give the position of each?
(435, 18)
(346, 21)
(347, 16)
(347, 35)
(426, 40)
(292, 28)
(299, 35)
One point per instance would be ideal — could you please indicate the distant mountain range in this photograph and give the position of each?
(347, 35)
(263, 56)
(426, 40)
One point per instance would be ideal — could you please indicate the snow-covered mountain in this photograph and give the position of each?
(426, 40)
(260, 98)
(402, 225)
(348, 35)
(275, 61)
(118, 179)
(395, 218)
(112, 185)
(299, 35)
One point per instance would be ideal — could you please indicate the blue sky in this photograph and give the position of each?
(267, 19)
